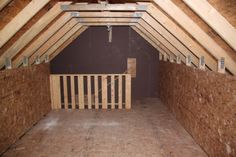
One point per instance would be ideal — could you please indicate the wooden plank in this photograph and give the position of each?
(107, 7)
(104, 92)
(56, 92)
(81, 91)
(52, 93)
(89, 92)
(128, 91)
(67, 42)
(20, 19)
(148, 40)
(61, 41)
(4, 3)
(112, 92)
(60, 22)
(65, 92)
(120, 103)
(215, 20)
(32, 32)
(111, 20)
(96, 91)
(108, 23)
(131, 67)
(72, 79)
(106, 14)
(169, 37)
(56, 37)
(192, 28)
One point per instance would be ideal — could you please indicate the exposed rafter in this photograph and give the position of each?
(192, 28)
(4, 3)
(214, 19)
(20, 20)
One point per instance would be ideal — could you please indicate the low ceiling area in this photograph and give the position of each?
(202, 32)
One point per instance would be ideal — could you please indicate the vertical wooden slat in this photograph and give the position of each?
(57, 90)
(112, 92)
(96, 91)
(104, 92)
(89, 92)
(128, 91)
(81, 91)
(120, 91)
(65, 92)
(52, 93)
(73, 91)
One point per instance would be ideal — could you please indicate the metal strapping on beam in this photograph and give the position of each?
(74, 14)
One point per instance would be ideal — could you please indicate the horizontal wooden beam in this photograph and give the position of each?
(101, 7)
(60, 22)
(192, 28)
(214, 19)
(20, 20)
(32, 32)
(66, 43)
(108, 24)
(106, 14)
(116, 20)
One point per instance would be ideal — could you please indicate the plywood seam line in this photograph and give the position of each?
(192, 28)
(215, 20)
(20, 20)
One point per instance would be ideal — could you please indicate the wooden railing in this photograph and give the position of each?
(90, 91)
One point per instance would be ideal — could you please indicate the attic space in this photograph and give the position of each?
(117, 78)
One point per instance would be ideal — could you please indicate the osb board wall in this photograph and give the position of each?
(25, 99)
(205, 104)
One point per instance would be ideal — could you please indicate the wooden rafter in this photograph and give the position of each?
(215, 20)
(144, 36)
(4, 3)
(67, 42)
(57, 36)
(42, 39)
(32, 32)
(101, 7)
(20, 20)
(176, 31)
(192, 28)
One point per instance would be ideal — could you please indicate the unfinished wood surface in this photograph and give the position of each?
(174, 29)
(120, 103)
(89, 90)
(106, 14)
(65, 92)
(62, 40)
(111, 20)
(73, 104)
(42, 39)
(32, 32)
(214, 19)
(148, 39)
(4, 3)
(128, 91)
(113, 95)
(104, 92)
(55, 92)
(96, 92)
(67, 42)
(108, 23)
(192, 28)
(56, 37)
(81, 91)
(168, 36)
(108, 7)
(131, 67)
(20, 20)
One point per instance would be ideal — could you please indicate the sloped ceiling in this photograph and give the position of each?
(35, 29)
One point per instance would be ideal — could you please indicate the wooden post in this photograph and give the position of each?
(81, 91)
(96, 91)
(72, 80)
(112, 92)
(65, 92)
(104, 92)
(55, 92)
(221, 65)
(89, 92)
(120, 92)
(128, 92)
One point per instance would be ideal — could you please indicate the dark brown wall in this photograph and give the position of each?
(92, 53)
(24, 100)
(204, 103)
